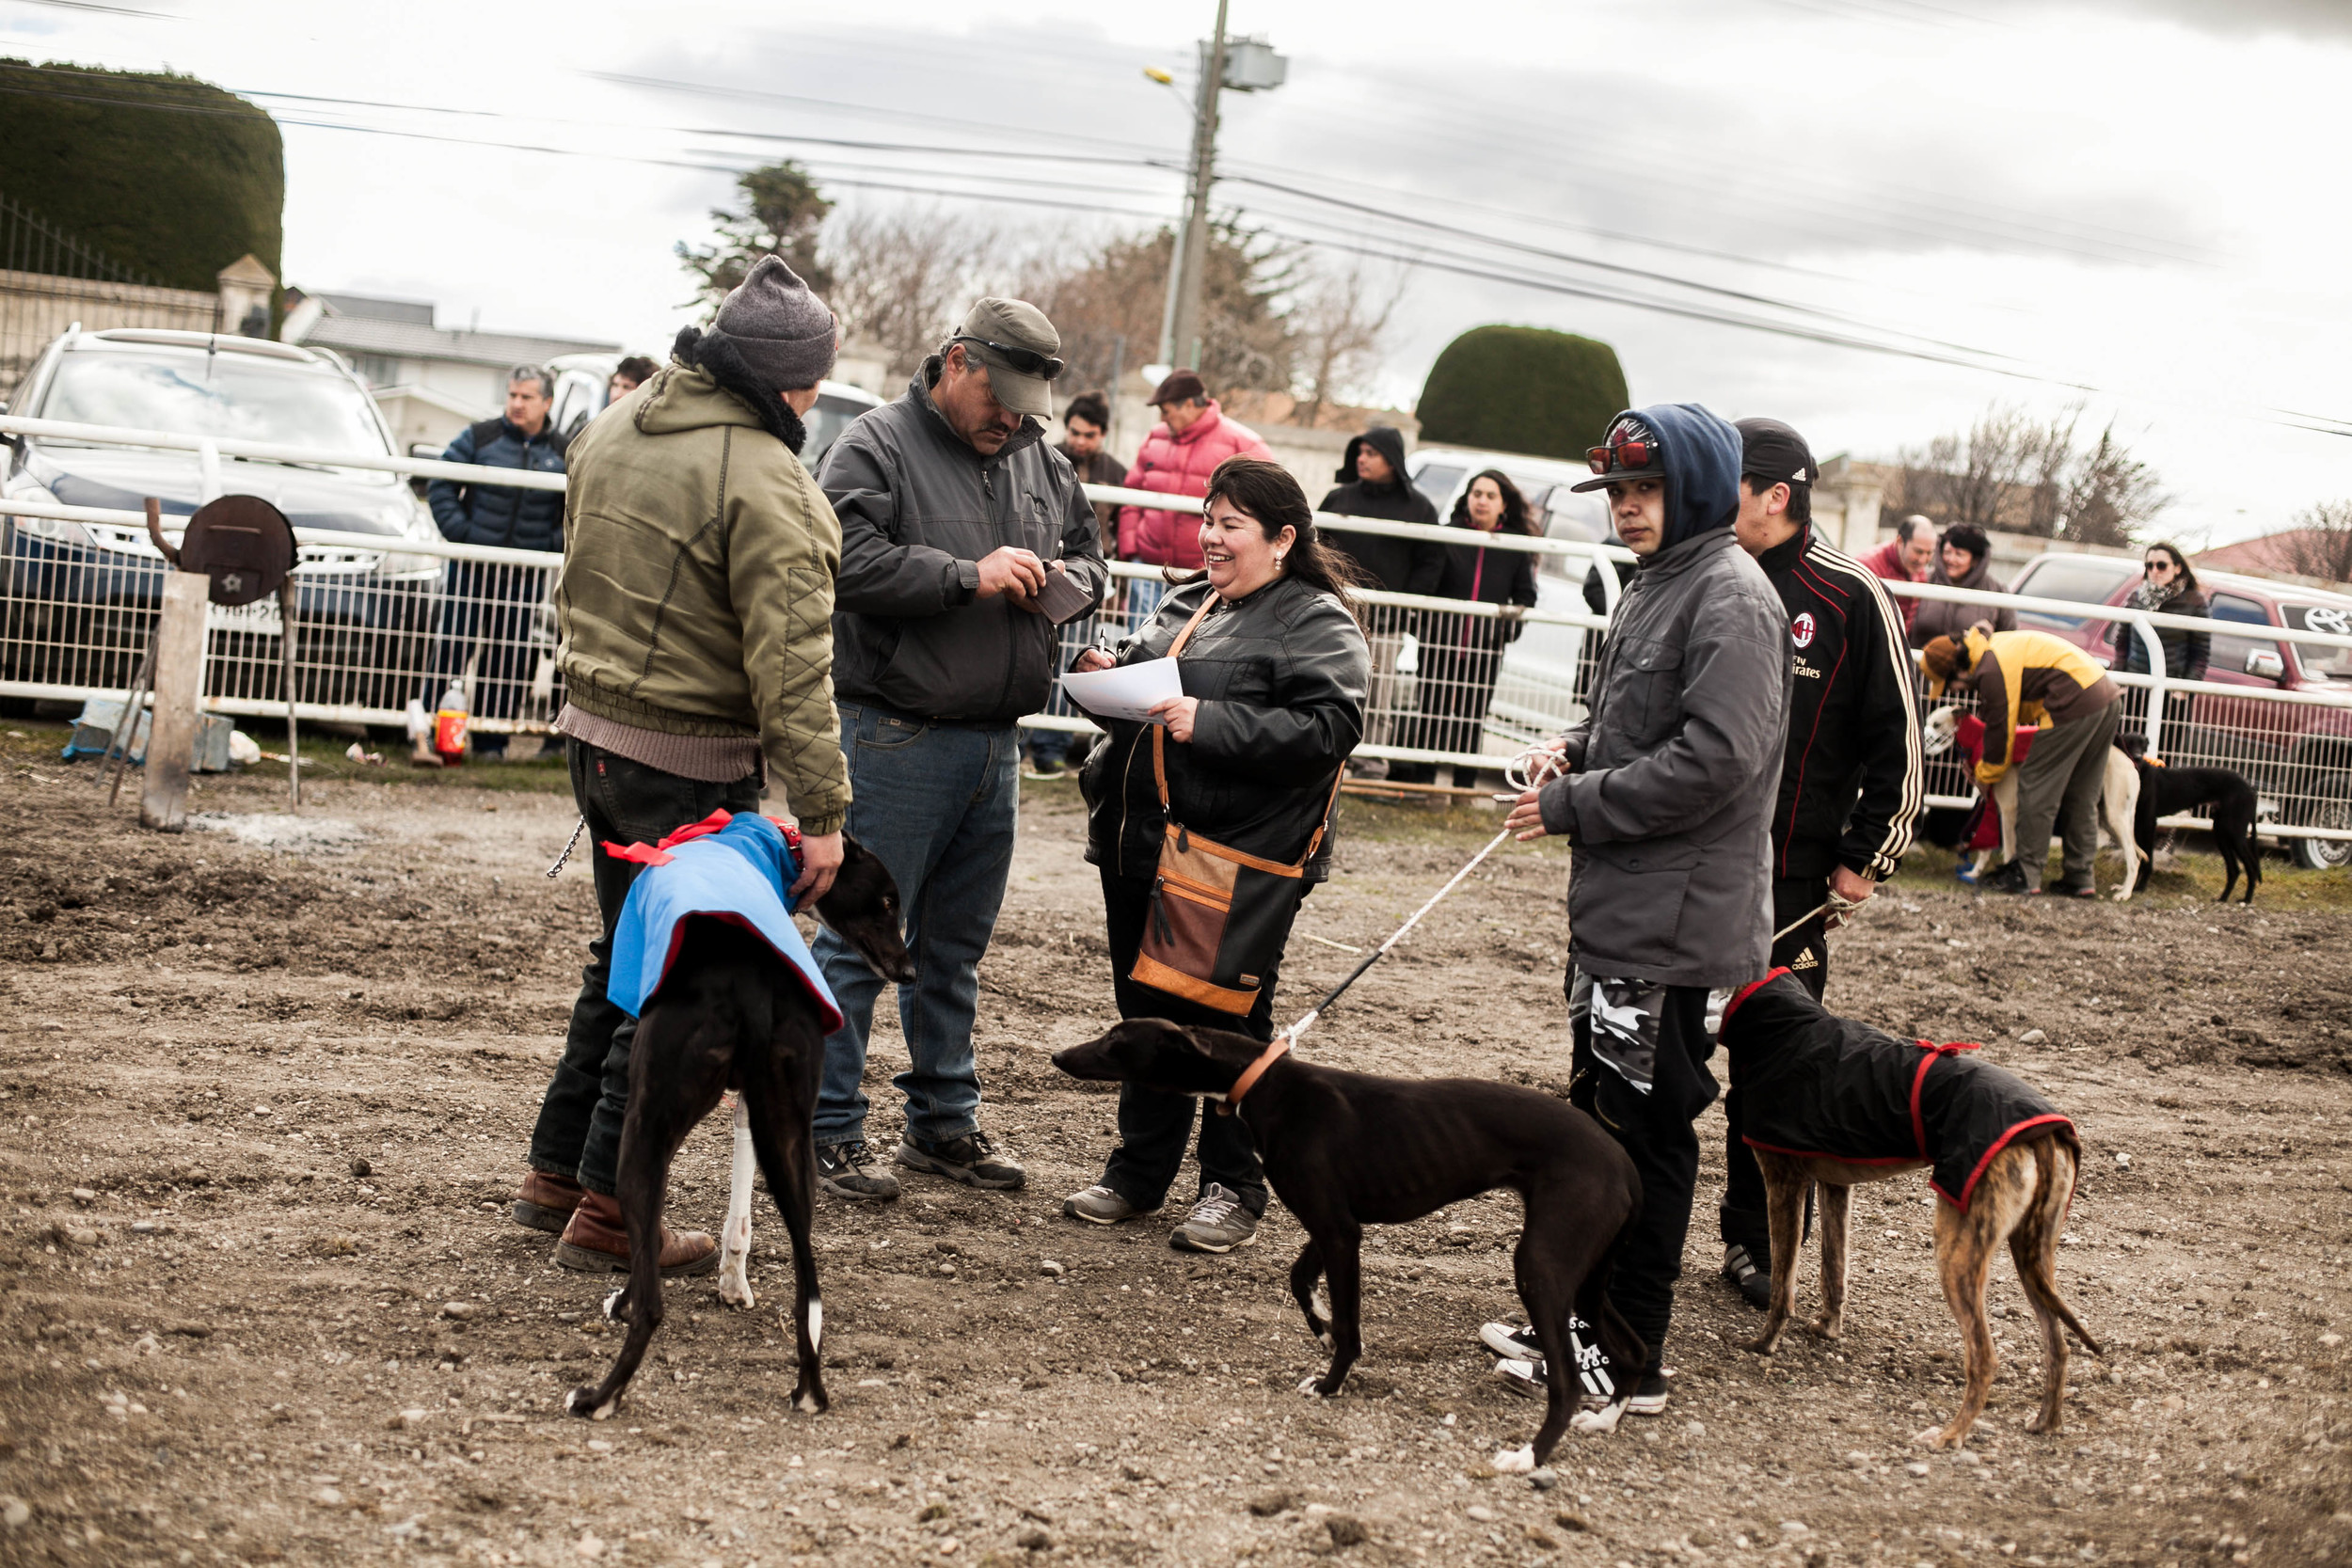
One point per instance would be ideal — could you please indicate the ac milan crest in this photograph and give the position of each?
(1800, 630)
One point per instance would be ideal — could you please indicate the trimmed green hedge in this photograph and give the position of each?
(168, 176)
(1522, 388)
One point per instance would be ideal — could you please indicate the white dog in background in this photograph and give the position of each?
(2119, 802)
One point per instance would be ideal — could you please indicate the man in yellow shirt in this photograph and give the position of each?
(2019, 677)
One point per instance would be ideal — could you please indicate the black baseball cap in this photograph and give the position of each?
(1775, 454)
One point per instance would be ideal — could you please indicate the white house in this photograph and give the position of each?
(430, 381)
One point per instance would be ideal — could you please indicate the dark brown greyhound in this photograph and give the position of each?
(1347, 1149)
(731, 1015)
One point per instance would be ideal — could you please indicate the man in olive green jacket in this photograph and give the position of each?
(695, 620)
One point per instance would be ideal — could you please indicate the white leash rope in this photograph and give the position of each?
(1530, 769)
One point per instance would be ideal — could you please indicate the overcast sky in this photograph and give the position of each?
(2131, 205)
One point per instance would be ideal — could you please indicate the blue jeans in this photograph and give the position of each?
(1143, 600)
(938, 803)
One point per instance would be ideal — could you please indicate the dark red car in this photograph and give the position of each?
(2297, 755)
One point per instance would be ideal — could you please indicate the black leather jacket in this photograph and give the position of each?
(1282, 678)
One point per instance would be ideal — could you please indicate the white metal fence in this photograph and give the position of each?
(382, 621)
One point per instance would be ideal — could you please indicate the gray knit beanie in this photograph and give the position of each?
(784, 334)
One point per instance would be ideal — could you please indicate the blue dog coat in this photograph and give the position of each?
(733, 869)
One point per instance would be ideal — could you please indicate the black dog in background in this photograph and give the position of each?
(2173, 791)
(731, 1015)
(1347, 1149)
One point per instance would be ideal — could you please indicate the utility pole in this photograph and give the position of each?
(1250, 65)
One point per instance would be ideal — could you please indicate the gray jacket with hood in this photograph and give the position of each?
(1676, 768)
(918, 508)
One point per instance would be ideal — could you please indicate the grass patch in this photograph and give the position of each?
(32, 746)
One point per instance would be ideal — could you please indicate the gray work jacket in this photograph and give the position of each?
(1676, 768)
(918, 508)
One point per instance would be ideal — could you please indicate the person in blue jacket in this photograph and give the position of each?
(485, 603)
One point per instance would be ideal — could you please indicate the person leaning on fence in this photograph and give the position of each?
(1193, 436)
(1963, 559)
(1851, 773)
(2018, 677)
(1906, 557)
(1460, 657)
(954, 512)
(1273, 678)
(1372, 483)
(487, 607)
(2166, 587)
(1666, 802)
(1086, 420)
(693, 613)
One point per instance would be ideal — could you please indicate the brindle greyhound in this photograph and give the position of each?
(730, 1015)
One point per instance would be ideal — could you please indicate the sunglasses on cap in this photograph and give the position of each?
(1628, 455)
(1028, 362)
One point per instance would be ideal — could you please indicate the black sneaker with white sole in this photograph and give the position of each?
(1511, 1344)
(1651, 1393)
(847, 1170)
(970, 1158)
(1754, 1284)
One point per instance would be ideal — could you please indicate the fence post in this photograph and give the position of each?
(2157, 672)
(178, 688)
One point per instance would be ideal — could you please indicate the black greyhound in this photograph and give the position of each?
(2168, 791)
(731, 1016)
(1347, 1149)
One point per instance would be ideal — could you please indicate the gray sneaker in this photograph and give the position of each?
(1098, 1204)
(1217, 1223)
(970, 1158)
(844, 1171)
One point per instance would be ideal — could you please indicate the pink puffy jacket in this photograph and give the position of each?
(1180, 465)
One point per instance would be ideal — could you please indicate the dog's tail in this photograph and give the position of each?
(2036, 1240)
(1625, 1347)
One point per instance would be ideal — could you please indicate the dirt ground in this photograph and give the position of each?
(267, 1088)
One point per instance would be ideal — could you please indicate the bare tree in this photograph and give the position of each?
(902, 276)
(2017, 474)
(1338, 326)
(2320, 545)
(2108, 493)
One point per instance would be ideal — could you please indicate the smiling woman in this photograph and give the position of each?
(1210, 827)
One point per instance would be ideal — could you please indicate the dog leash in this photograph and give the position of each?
(1530, 770)
(1838, 908)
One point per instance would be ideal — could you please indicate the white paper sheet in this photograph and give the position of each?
(1128, 692)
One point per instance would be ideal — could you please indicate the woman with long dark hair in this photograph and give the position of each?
(1460, 659)
(2168, 587)
(1274, 678)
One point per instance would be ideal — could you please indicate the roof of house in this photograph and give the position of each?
(413, 340)
(2285, 553)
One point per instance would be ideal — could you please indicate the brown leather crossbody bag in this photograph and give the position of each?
(1219, 918)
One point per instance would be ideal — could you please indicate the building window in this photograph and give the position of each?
(378, 369)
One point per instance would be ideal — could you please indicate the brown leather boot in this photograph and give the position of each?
(595, 1242)
(545, 1201)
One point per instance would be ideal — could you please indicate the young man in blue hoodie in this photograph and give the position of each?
(1666, 795)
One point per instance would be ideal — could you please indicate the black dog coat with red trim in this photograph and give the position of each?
(1811, 1083)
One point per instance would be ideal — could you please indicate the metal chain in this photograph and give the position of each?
(569, 844)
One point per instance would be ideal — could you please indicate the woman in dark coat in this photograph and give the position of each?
(2166, 587)
(1963, 559)
(1460, 658)
(1273, 682)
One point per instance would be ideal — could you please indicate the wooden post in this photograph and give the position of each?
(286, 664)
(178, 644)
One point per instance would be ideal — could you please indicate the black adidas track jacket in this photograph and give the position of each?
(1849, 784)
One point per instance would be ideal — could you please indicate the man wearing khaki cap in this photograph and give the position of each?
(955, 513)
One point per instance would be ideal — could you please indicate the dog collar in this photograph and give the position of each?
(1255, 1070)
